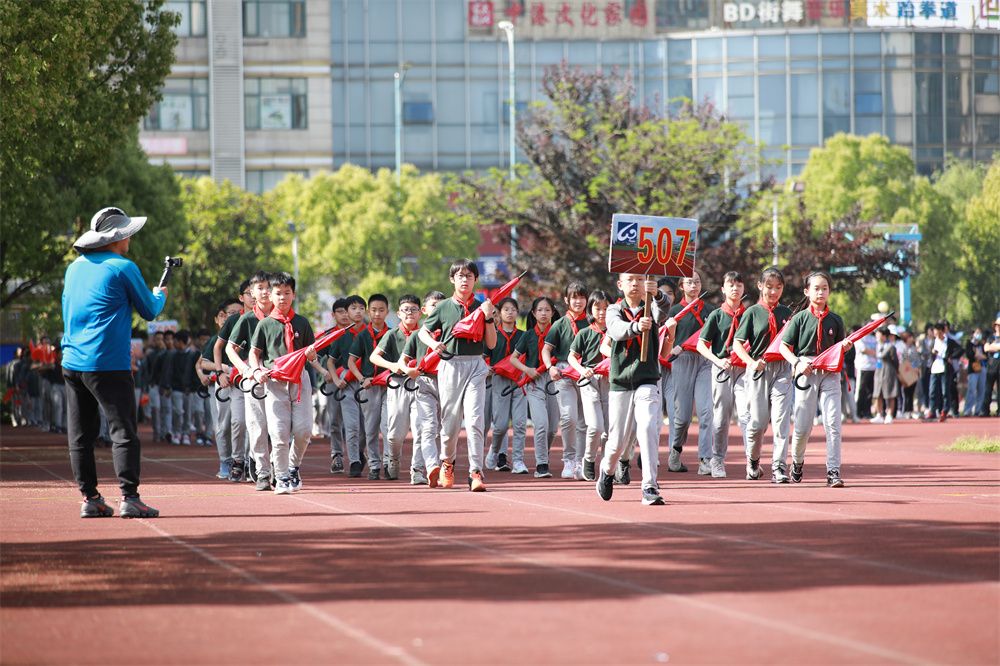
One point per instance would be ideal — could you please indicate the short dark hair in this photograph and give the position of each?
(354, 299)
(167, 332)
(733, 276)
(378, 297)
(433, 295)
(772, 272)
(576, 288)
(596, 296)
(203, 332)
(467, 264)
(668, 282)
(259, 276)
(226, 303)
(281, 279)
(409, 298)
(182, 335)
(339, 304)
(244, 286)
(504, 301)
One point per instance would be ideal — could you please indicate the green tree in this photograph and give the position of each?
(77, 77)
(363, 234)
(592, 152)
(979, 261)
(232, 234)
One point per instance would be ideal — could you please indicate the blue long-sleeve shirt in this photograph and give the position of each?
(100, 291)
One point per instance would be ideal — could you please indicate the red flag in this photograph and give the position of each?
(506, 369)
(288, 368)
(832, 360)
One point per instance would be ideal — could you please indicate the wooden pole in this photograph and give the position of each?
(644, 353)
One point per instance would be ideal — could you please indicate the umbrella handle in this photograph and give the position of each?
(445, 355)
(219, 395)
(507, 390)
(323, 387)
(722, 376)
(799, 386)
(410, 384)
(357, 397)
(583, 381)
(757, 375)
(203, 392)
(338, 394)
(253, 391)
(239, 384)
(549, 384)
(671, 358)
(391, 383)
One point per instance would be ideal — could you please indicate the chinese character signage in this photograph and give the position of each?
(565, 19)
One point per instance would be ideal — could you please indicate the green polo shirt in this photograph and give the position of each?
(362, 349)
(446, 314)
(340, 349)
(587, 345)
(562, 334)
(801, 333)
(504, 347)
(242, 333)
(527, 346)
(691, 322)
(393, 342)
(208, 351)
(414, 348)
(753, 327)
(716, 330)
(269, 337)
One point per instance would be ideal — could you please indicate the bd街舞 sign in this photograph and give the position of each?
(653, 245)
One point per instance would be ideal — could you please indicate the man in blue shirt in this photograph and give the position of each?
(101, 289)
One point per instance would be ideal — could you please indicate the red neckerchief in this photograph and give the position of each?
(597, 329)
(465, 306)
(819, 325)
(289, 331)
(406, 331)
(696, 310)
(260, 313)
(626, 311)
(242, 311)
(376, 336)
(541, 339)
(573, 324)
(735, 322)
(507, 339)
(772, 323)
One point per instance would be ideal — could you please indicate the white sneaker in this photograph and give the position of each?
(888, 419)
(185, 440)
(718, 469)
(578, 471)
(705, 466)
(491, 460)
(417, 477)
(283, 487)
(878, 419)
(569, 467)
(903, 416)
(518, 468)
(818, 421)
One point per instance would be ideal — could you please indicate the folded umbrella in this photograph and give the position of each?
(734, 361)
(383, 378)
(473, 325)
(602, 369)
(773, 351)
(524, 381)
(506, 369)
(832, 360)
(288, 368)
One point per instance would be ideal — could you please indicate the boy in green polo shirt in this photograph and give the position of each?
(222, 415)
(428, 403)
(716, 344)
(462, 378)
(289, 404)
(401, 405)
(373, 410)
(634, 399)
(344, 379)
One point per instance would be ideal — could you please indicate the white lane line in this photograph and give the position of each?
(782, 628)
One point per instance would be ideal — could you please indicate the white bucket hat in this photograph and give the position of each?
(108, 226)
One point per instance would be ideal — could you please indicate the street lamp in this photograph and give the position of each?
(508, 27)
(294, 229)
(398, 88)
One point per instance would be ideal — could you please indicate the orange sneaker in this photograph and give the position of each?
(476, 484)
(447, 474)
(432, 476)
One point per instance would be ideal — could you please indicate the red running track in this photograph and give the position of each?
(901, 566)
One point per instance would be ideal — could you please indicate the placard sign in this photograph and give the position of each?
(662, 246)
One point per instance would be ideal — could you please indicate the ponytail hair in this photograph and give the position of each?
(804, 302)
(530, 321)
(772, 272)
(595, 297)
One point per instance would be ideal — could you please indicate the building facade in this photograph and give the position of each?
(318, 76)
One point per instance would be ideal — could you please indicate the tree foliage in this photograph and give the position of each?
(592, 152)
(77, 77)
(360, 233)
(979, 260)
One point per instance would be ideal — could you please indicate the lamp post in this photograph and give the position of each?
(293, 227)
(508, 27)
(398, 90)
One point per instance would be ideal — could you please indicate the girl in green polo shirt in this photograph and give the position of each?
(584, 354)
(812, 330)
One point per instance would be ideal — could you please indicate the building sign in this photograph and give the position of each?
(275, 112)
(171, 146)
(565, 19)
(876, 13)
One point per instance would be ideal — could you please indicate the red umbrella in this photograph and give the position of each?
(773, 351)
(734, 361)
(383, 378)
(525, 379)
(288, 368)
(602, 369)
(473, 325)
(506, 369)
(832, 360)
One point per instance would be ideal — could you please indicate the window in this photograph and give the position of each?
(274, 18)
(275, 104)
(192, 17)
(266, 179)
(184, 106)
(418, 112)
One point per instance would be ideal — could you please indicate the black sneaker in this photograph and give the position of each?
(589, 473)
(95, 507)
(651, 497)
(605, 486)
(502, 464)
(373, 474)
(251, 474)
(355, 472)
(337, 464)
(753, 469)
(236, 475)
(542, 472)
(131, 506)
(796, 471)
(622, 475)
(386, 474)
(833, 479)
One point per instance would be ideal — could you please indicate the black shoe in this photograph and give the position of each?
(542, 472)
(355, 472)
(386, 475)
(131, 506)
(337, 464)
(622, 475)
(251, 474)
(502, 465)
(796, 471)
(605, 486)
(373, 474)
(95, 507)
(236, 475)
(589, 473)
(833, 479)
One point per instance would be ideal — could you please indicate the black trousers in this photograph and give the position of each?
(866, 386)
(992, 383)
(114, 391)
